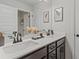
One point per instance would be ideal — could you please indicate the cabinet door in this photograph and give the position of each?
(38, 55)
(44, 57)
(61, 52)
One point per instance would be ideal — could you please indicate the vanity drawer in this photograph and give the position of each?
(51, 47)
(52, 55)
(60, 42)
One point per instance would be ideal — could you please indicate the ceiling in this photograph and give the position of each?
(30, 2)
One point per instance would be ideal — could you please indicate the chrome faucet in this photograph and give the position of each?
(17, 37)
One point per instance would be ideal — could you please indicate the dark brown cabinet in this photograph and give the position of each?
(61, 49)
(60, 52)
(39, 54)
(51, 51)
(55, 50)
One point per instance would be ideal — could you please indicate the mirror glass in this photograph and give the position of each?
(23, 21)
(37, 19)
(25, 17)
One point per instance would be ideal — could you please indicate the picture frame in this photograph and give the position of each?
(58, 14)
(46, 16)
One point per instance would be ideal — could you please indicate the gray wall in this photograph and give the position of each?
(67, 25)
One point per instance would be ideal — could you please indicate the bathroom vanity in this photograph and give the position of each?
(50, 47)
(54, 50)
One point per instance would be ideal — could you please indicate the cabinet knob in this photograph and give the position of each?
(77, 35)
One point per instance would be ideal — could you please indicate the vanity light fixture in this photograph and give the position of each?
(40, 0)
(44, 0)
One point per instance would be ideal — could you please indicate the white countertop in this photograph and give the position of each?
(41, 43)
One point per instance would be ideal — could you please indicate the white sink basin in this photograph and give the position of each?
(19, 47)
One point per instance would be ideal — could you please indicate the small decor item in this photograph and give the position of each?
(46, 16)
(41, 34)
(58, 14)
(1, 39)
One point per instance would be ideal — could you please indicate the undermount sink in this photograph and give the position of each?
(19, 47)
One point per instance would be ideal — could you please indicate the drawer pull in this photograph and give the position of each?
(52, 47)
(77, 35)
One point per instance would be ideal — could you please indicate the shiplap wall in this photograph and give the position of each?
(10, 16)
(8, 20)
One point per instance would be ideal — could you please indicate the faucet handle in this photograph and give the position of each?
(20, 37)
(15, 33)
(20, 34)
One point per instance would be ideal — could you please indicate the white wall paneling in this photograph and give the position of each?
(8, 20)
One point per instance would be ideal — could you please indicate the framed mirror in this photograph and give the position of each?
(37, 19)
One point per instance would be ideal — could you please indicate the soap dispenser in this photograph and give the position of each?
(48, 32)
(52, 32)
